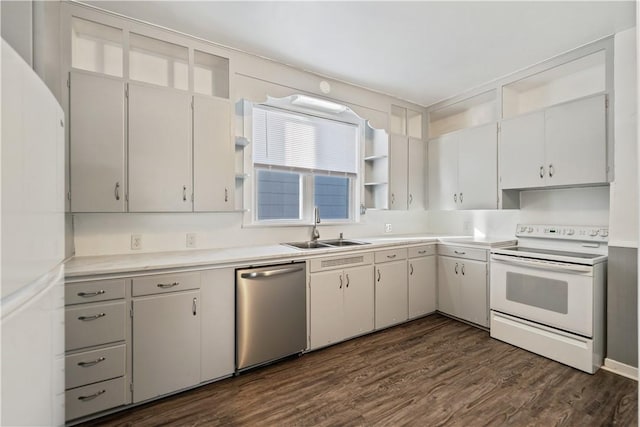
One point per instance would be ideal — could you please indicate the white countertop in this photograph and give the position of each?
(243, 256)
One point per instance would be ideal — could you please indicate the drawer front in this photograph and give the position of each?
(340, 262)
(463, 252)
(94, 291)
(95, 398)
(391, 255)
(418, 251)
(92, 366)
(94, 324)
(163, 283)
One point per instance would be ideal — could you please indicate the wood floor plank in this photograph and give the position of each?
(429, 372)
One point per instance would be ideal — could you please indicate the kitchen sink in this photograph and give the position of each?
(307, 245)
(343, 242)
(336, 243)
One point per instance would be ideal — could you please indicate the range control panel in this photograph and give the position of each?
(564, 232)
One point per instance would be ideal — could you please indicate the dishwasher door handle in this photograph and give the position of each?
(270, 273)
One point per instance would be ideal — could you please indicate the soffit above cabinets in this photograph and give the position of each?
(423, 52)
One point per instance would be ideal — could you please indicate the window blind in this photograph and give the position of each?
(299, 142)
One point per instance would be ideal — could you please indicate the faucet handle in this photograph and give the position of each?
(341, 236)
(316, 215)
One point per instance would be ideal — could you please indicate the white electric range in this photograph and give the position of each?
(547, 294)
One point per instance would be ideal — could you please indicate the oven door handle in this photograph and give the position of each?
(543, 265)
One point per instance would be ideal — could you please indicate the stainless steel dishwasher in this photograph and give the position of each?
(271, 315)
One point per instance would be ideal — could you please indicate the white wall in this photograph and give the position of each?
(624, 190)
(16, 27)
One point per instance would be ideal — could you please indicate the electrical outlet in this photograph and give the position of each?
(191, 240)
(387, 228)
(136, 241)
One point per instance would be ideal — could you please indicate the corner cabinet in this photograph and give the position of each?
(560, 146)
(463, 170)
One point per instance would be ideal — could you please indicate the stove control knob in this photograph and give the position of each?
(570, 232)
(604, 232)
(530, 230)
(594, 233)
(522, 229)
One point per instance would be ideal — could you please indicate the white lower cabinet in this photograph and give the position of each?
(422, 282)
(463, 285)
(341, 303)
(391, 287)
(166, 342)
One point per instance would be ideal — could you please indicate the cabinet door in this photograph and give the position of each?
(478, 168)
(213, 155)
(326, 308)
(160, 178)
(522, 157)
(398, 148)
(97, 144)
(576, 142)
(217, 308)
(449, 285)
(422, 286)
(391, 293)
(166, 344)
(416, 176)
(473, 291)
(443, 172)
(358, 301)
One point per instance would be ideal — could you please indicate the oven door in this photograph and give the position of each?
(555, 294)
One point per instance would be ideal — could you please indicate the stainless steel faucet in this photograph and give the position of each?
(315, 235)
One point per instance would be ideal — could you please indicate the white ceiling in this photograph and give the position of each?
(419, 51)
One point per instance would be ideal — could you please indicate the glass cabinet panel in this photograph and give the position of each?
(210, 74)
(158, 62)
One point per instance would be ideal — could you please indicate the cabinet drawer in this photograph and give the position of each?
(391, 255)
(93, 291)
(418, 251)
(163, 283)
(94, 324)
(340, 262)
(463, 252)
(92, 366)
(95, 398)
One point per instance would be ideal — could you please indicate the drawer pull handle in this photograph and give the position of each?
(422, 252)
(168, 285)
(94, 317)
(391, 256)
(92, 396)
(460, 252)
(91, 363)
(91, 294)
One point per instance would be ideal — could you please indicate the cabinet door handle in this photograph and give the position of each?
(117, 191)
(541, 171)
(455, 198)
(226, 195)
(462, 270)
(391, 256)
(92, 396)
(460, 197)
(194, 306)
(92, 362)
(378, 275)
(347, 280)
(184, 193)
(340, 287)
(459, 252)
(90, 318)
(411, 268)
(410, 198)
(456, 269)
(393, 198)
(167, 285)
(551, 171)
(91, 294)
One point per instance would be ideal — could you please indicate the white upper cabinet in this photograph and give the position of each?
(159, 150)
(398, 171)
(561, 146)
(415, 173)
(97, 143)
(478, 168)
(213, 150)
(443, 172)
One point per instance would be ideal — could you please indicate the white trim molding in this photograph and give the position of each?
(620, 369)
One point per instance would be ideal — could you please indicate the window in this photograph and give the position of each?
(301, 161)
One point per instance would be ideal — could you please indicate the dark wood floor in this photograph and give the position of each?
(432, 371)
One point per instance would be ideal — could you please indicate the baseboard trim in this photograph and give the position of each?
(620, 369)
